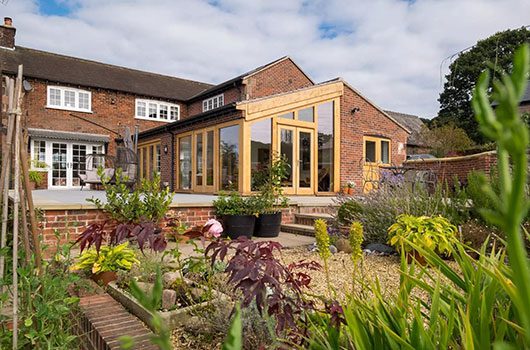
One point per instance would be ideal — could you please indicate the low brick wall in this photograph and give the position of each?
(447, 168)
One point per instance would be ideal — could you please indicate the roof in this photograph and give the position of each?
(76, 71)
(526, 96)
(411, 122)
(66, 135)
(240, 78)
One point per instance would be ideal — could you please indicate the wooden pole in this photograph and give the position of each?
(16, 203)
(25, 229)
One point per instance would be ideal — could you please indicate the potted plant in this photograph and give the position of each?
(270, 201)
(237, 214)
(104, 264)
(434, 233)
(351, 186)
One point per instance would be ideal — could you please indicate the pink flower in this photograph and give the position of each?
(214, 228)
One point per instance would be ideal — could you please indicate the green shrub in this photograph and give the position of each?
(234, 204)
(109, 258)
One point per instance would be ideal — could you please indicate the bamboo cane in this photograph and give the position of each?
(7, 139)
(25, 229)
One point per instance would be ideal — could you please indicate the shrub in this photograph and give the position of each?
(433, 233)
(356, 240)
(234, 204)
(119, 257)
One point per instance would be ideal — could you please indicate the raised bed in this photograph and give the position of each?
(172, 318)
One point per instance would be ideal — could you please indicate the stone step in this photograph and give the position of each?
(304, 230)
(309, 218)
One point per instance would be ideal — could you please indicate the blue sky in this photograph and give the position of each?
(390, 50)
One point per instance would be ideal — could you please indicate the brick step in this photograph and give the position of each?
(309, 218)
(103, 320)
(304, 230)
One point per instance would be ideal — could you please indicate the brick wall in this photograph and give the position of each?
(524, 108)
(111, 109)
(231, 94)
(281, 77)
(368, 121)
(447, 168)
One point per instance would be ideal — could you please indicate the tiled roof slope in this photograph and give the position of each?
(411, 122)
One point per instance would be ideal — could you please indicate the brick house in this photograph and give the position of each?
(413, 123)
(202, 138)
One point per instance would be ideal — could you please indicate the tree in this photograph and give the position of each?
(494, 52)
(445, 139)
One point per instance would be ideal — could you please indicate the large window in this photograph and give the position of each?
(213, 103)
(70, 99)
(185, 163)
(39, 154)
(229, 154)
(325, 146)
(260, 148)
(198, 158)
(209, 157)
(149, 160)
(376, 150)
(157, 110)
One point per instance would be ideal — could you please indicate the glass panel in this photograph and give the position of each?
(157, 158)
(198, 177)
(229, 151)
(173, 113)
(83, 100)
(385, 147)
(39, 154)
(260, 148)
(185, 163)
(59, 164)
(304, 157)
(145, 158)
(78, 163)
(325, 146)
(286, 149)
(306, 115)
(163, 112)
(369, 151)
(97, 161)
(152, 110)
(55, 97)
(69, 99)
(152, 161)
(289, 115)
(209, 158)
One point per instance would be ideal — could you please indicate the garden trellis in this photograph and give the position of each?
(14, 180)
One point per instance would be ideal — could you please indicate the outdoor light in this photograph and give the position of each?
(165, 149)
(354, 110)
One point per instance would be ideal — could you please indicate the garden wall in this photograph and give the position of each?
(447, 168)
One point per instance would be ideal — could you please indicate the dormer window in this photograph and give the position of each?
(157, 110)
(60, 97)
(213, 102)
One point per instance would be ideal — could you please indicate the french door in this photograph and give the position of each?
(296, 144)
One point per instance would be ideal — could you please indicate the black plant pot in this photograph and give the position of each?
(268, 225)
(238, 225)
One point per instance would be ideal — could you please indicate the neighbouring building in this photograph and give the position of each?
(202, 138)
(413, 123)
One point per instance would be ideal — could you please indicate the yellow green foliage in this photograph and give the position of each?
(322, 238)
(115, 258)
(356, 239)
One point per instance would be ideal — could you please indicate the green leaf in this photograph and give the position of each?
(234, 339)
(28, 322)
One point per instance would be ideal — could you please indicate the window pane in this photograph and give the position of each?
(198, 177)
(69, 99)
(157, 158)
(173, 113)
(39, 154)
(385, 147)
(286, 149)
(289, 115)
(325, 146)
(204, 106)
(215, 102)
(306, 115)
(55, 97)
(163, 112)
(209, 158)
(304, 157)
(210, 104)
(221, 100)
(140, 109)
(152, 110)
(229, 151)
(260, 148)
(185, 163)
(369, 149)
(84, 100)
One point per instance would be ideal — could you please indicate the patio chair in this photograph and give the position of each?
(94, 162)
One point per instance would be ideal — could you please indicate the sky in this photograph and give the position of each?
(393, 51)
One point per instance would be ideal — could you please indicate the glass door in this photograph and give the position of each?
(78, 163)
(297, 146)
(204, 161)
(59, 165)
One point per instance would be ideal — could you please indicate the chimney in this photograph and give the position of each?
(7, 34)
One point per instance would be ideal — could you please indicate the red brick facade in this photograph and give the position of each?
(367, 121)
(231, 94)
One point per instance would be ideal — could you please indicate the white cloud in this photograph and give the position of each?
(391, 50)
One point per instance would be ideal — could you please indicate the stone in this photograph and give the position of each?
(333, 249)
(381, 249)
(312, 247)
(145, 287)
(169, 298)
(169, 278)
(343, 245)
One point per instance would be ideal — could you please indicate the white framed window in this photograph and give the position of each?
(213, 102)
(38, 154)
(71, 99)
(157, 110)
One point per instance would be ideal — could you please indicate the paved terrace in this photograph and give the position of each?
(76, 199)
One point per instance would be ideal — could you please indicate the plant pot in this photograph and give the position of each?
(104, 278)
(350, 190)
(414, 255)
(235, 226)
(345, 189)
(268, 225)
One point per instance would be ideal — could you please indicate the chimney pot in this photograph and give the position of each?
(7, 33)
(8, 21)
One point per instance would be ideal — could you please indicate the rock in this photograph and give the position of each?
(381, 249)
(312, 247)
(169, 298)
(343, 245)
(333, 249)
(169, 278)
(145, 287)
